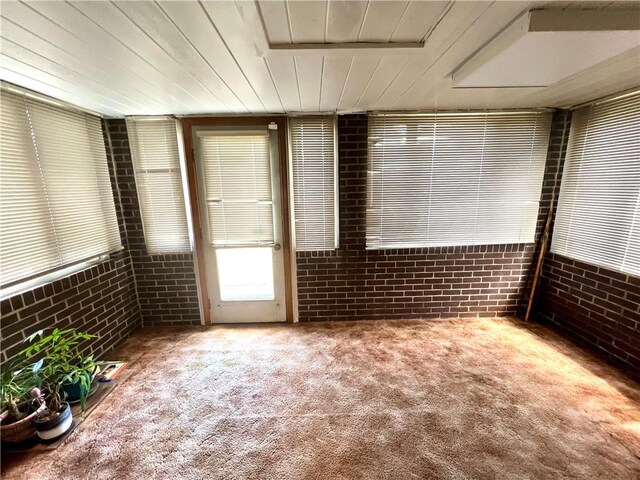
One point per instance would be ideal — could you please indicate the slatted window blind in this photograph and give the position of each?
(446, 179)
(156, 160)
(56, 202)
(314, 182)
(598, 215)
(237, 184)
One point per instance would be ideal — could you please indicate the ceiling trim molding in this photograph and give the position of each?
(608, 98)
(343, 49)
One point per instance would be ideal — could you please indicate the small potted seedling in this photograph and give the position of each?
(17, 419)
(56, 418)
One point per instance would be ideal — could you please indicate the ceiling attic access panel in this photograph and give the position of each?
(543, 47)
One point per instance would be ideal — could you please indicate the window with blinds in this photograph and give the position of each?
(313, 156)
(56, 202)
(445, 179)
(237, 187)
(156, 161)
(598, 215)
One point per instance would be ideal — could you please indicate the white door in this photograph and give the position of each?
(239, 194)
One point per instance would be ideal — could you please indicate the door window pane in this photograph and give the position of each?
(245, 273)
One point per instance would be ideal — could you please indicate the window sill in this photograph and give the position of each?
(51, 277)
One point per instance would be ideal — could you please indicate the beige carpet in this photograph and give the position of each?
(366, 400)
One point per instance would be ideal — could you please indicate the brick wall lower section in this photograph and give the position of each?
(167, 289)
(412, 283)
(354, 283)
(596, 306)
(100, 300)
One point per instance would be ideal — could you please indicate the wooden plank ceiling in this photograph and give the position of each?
(123, 58)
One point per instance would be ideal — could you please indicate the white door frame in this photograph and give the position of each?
(246, 311)
(190, 122)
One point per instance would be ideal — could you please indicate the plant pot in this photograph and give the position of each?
(75, 391)
(52, 428)
(21, 431)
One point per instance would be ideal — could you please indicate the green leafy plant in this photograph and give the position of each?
(16, 380)
(60, 362)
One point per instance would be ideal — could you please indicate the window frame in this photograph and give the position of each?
(64, 270)
(183, 181)
(562, 246)
(336, 183)
(542, 120)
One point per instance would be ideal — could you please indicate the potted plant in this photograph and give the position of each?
(61, 367)
(17, 419)
(64, 361)
(56, 418)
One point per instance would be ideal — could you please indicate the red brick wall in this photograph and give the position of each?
(598, 307)
(100, 300)
(167, 289)
(353, 283)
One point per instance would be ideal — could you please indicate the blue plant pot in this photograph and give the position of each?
(75, 391)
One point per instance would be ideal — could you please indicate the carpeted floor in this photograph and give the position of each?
(366, 400)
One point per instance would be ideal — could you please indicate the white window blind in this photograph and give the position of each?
(446, 179)
(56, 202)
(314, 182)
(237, 185)
(156, 161)
(598, 216)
